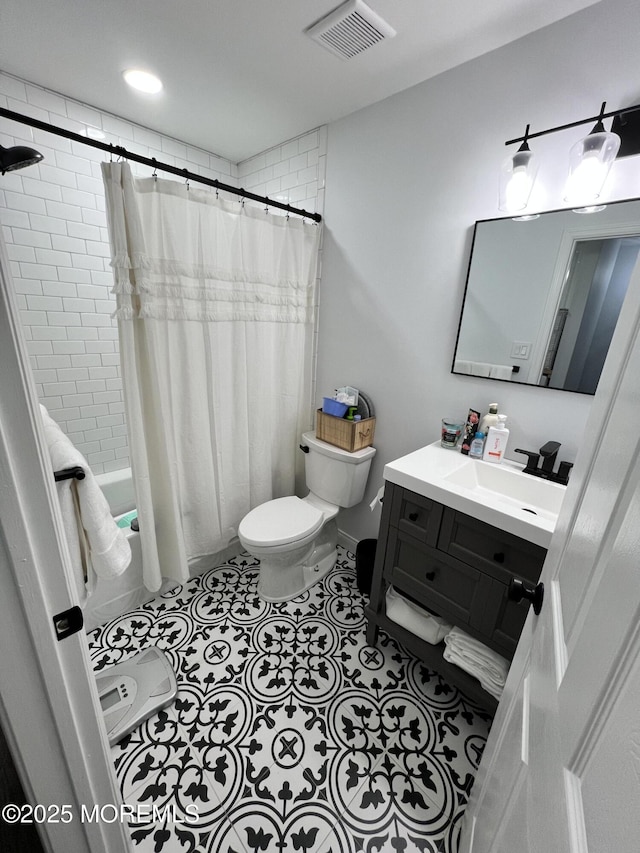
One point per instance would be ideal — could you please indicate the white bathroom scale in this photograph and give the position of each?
(133, 690)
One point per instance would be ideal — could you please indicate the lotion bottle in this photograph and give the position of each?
(490, 419)
(496, 442)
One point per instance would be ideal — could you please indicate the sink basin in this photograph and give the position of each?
(501, 495)
(521, 491)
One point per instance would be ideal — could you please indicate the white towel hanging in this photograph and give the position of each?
(94, 540)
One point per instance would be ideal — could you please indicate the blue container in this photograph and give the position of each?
(333, 407)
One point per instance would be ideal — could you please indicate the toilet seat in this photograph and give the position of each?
(280, 522)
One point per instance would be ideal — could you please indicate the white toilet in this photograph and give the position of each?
(294, 538)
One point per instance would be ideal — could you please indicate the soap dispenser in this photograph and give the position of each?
(496, 442)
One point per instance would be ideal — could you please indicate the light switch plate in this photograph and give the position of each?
(520, 349)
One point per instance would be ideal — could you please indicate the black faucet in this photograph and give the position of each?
(549, 453)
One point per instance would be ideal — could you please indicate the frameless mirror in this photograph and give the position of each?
(543, 295)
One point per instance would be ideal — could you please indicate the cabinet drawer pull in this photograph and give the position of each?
(430, 576)
(499, 557)
(413, 516)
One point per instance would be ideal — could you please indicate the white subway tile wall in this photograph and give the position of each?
(293, 173)
(54, 225)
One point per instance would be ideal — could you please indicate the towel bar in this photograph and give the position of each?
(75, 473)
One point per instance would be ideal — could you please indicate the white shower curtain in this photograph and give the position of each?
(216, 305)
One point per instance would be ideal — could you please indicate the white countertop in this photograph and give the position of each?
(515, 502)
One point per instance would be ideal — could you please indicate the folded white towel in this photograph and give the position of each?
(474, 657)
(414, 618)
(483, 368)
(501, 371)
(90, 528)
(492, 686)
(472, 368)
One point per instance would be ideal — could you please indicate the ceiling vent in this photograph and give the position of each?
(350, 29)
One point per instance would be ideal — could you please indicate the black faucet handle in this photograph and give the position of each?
(562, 476)
(532, 459)
(550, 448)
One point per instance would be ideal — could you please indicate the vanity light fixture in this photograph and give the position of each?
(590, 161)
(592, 208)
(517, 176)
(143, 81)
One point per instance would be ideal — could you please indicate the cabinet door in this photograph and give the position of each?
(451, 589)
(489, 549)
(509, 618)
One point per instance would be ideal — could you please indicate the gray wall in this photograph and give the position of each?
(406, 180)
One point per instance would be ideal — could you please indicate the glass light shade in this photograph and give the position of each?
(517, 176)
(589, 163)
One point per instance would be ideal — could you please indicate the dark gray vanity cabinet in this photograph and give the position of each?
(455, 566)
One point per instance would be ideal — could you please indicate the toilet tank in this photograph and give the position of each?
(336, 475)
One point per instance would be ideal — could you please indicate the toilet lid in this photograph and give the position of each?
(279, 522)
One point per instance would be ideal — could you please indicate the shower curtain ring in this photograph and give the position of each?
(186, 174)
(155, 169)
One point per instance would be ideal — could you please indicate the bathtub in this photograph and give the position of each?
(117, 487)
(112, 598)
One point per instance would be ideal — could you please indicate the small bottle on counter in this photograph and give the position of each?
(477, 446)
(496, 443)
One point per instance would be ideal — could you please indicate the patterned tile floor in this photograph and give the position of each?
(289, 732)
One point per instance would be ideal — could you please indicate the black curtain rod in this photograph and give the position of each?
(599, 117)
(119, 151)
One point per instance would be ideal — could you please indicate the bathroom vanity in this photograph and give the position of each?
(454, 532)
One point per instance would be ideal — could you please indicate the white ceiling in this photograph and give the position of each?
(240, 75)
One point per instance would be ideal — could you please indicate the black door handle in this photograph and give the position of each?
(535, 594)
(430, 576)
(413, 516)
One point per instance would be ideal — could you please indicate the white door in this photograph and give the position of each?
(561, 770)
(49, 707)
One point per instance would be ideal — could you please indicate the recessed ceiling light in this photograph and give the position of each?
(143, 81)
